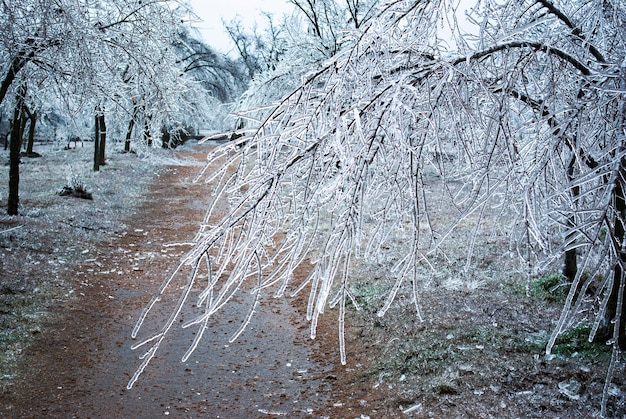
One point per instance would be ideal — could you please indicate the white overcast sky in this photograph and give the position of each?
(213, 11)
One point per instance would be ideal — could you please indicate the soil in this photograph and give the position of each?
(76, 273)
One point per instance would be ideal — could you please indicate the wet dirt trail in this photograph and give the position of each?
(81, 363)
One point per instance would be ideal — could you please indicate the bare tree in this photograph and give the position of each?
(221, 77)
(328, 21)
(528, 115)
(315, 32)
(258, 50)
(360, 11)
(285, 51)
(246, 45)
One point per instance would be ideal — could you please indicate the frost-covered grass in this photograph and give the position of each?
(480, 346)
(478, 352)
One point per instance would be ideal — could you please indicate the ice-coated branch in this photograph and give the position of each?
(342, 171)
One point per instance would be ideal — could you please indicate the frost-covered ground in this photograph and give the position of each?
(51, 231)
(478, 352)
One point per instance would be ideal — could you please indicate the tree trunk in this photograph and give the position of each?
(32, 47)
(23, 122)
(129, 133)
(31, 132)
(14, 154)
(570, 267)
(165, 138)
(131, 125)
(17, 64)
(96, 140)
(103, 140)
(147, 137)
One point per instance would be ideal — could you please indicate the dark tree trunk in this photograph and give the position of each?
(31, 48)
(17, 64)
(570, 267)
(14, 154)
(96, 140)
(23, 122)
(129, 133)
(103, 141)
(165, 138)
(131, 125)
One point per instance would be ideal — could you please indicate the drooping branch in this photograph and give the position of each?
(349, 142)
(576, 31)
(127, 18)
(24, 56)
(537, 46)
(431, 63)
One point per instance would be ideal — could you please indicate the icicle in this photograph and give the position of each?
(616, 352)
(155, 299)
(245, 323)
(342, 332)
(391, 297)
(418, 311)
(196, 339)
(149, 355)
(146, 341)
(167, 326)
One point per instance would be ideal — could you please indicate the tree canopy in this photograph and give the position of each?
(526, 114)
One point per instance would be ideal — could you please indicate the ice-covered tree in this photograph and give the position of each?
(327, 20)
(113, 58)
(96, 52)
(258, 49)
(527, 115)
(221, 77)
(287, 49)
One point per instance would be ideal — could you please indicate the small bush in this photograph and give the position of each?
(75, 187)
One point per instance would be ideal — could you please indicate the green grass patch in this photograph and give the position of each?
(366, 293)
(575, 342)
(551, 287)
(423, 354)
(502, 340)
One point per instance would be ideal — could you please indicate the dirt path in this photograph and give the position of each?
(80, 364)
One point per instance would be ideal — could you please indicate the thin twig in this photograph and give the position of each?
(11, 229)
